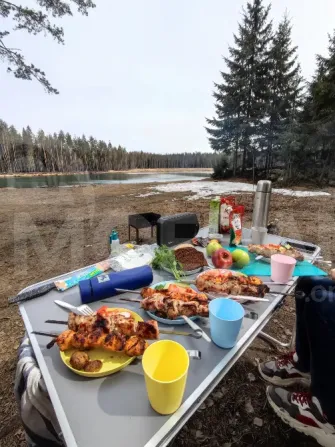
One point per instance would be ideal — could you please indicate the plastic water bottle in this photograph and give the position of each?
(114, 243)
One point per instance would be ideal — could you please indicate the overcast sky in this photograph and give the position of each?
(140, 73)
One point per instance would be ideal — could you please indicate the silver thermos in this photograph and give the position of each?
(262, 204)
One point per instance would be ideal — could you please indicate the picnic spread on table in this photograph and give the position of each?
(123, 315)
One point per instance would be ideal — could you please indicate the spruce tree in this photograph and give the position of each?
(241, 98)
(319, 112)
(285, 88)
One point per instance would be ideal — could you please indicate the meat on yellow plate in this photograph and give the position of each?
(135, 346)
(64, 340)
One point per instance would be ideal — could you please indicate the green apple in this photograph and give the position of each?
(212, 247)
(241, 258)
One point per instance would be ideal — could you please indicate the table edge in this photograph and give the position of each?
(66, 431)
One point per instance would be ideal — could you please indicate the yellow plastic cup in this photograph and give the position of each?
(165, 364)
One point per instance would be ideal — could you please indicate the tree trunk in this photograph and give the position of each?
(235, 157)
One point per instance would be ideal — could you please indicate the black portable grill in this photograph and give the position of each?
(144, 220)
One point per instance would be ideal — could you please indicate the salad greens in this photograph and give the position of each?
(165, 258)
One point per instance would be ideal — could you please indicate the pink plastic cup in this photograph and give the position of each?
(282, 268)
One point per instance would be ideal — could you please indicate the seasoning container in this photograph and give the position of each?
(214, 216)
(226, 207)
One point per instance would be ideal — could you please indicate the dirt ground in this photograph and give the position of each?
(47, 232)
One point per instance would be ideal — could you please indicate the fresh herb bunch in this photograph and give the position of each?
(165, 258)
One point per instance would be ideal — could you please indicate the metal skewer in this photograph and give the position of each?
(198, 333)
(46, 334)
(136, 292)
(209, 296)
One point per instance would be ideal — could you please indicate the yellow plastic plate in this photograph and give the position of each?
(111, 362)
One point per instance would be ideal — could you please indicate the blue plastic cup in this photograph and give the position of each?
(225, 317)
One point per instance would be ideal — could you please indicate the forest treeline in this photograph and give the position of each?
(267, 116)
(25, 152)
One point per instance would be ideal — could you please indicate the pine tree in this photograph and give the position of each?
(240, 100)
(285, 89)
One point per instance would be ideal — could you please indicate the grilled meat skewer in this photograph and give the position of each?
(113, 323)
(173, 309)
(213, 281)
(148, 330)
(177, 293)
(133, 346)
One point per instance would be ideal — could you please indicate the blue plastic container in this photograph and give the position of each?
(104, 285)
(225, 317)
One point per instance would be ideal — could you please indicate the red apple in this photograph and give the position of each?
(222, 259)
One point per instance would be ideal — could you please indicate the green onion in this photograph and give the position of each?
(165, 258)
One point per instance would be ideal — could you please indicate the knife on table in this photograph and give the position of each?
(33, 293)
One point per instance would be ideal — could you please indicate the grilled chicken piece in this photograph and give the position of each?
(148, 292)
(80, 341)
(114, 342)
(125, 326)
(64, 340)
(96, 338)
(109, 322)
(148, 330)
(135, 346)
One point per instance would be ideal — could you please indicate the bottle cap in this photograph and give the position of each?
(264, 186)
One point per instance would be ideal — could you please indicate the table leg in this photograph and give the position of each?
(273, 341)
(137, 237)
(294, 337)
(128, 232)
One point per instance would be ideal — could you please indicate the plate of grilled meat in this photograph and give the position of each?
(167, 301)
(223, 282)
(108, 341)
(273, 249)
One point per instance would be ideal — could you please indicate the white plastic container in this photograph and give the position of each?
(114, 243)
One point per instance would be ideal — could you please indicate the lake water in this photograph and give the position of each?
(100, 179)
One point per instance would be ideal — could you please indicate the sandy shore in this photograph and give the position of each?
(130, 171)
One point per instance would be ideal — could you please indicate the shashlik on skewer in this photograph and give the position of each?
(177, 293)
(112, 323)
(165, 307)
(133, 346)
(127, 326)
(267, 250)
(172, 309)
(228, 282)
(224, 282)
